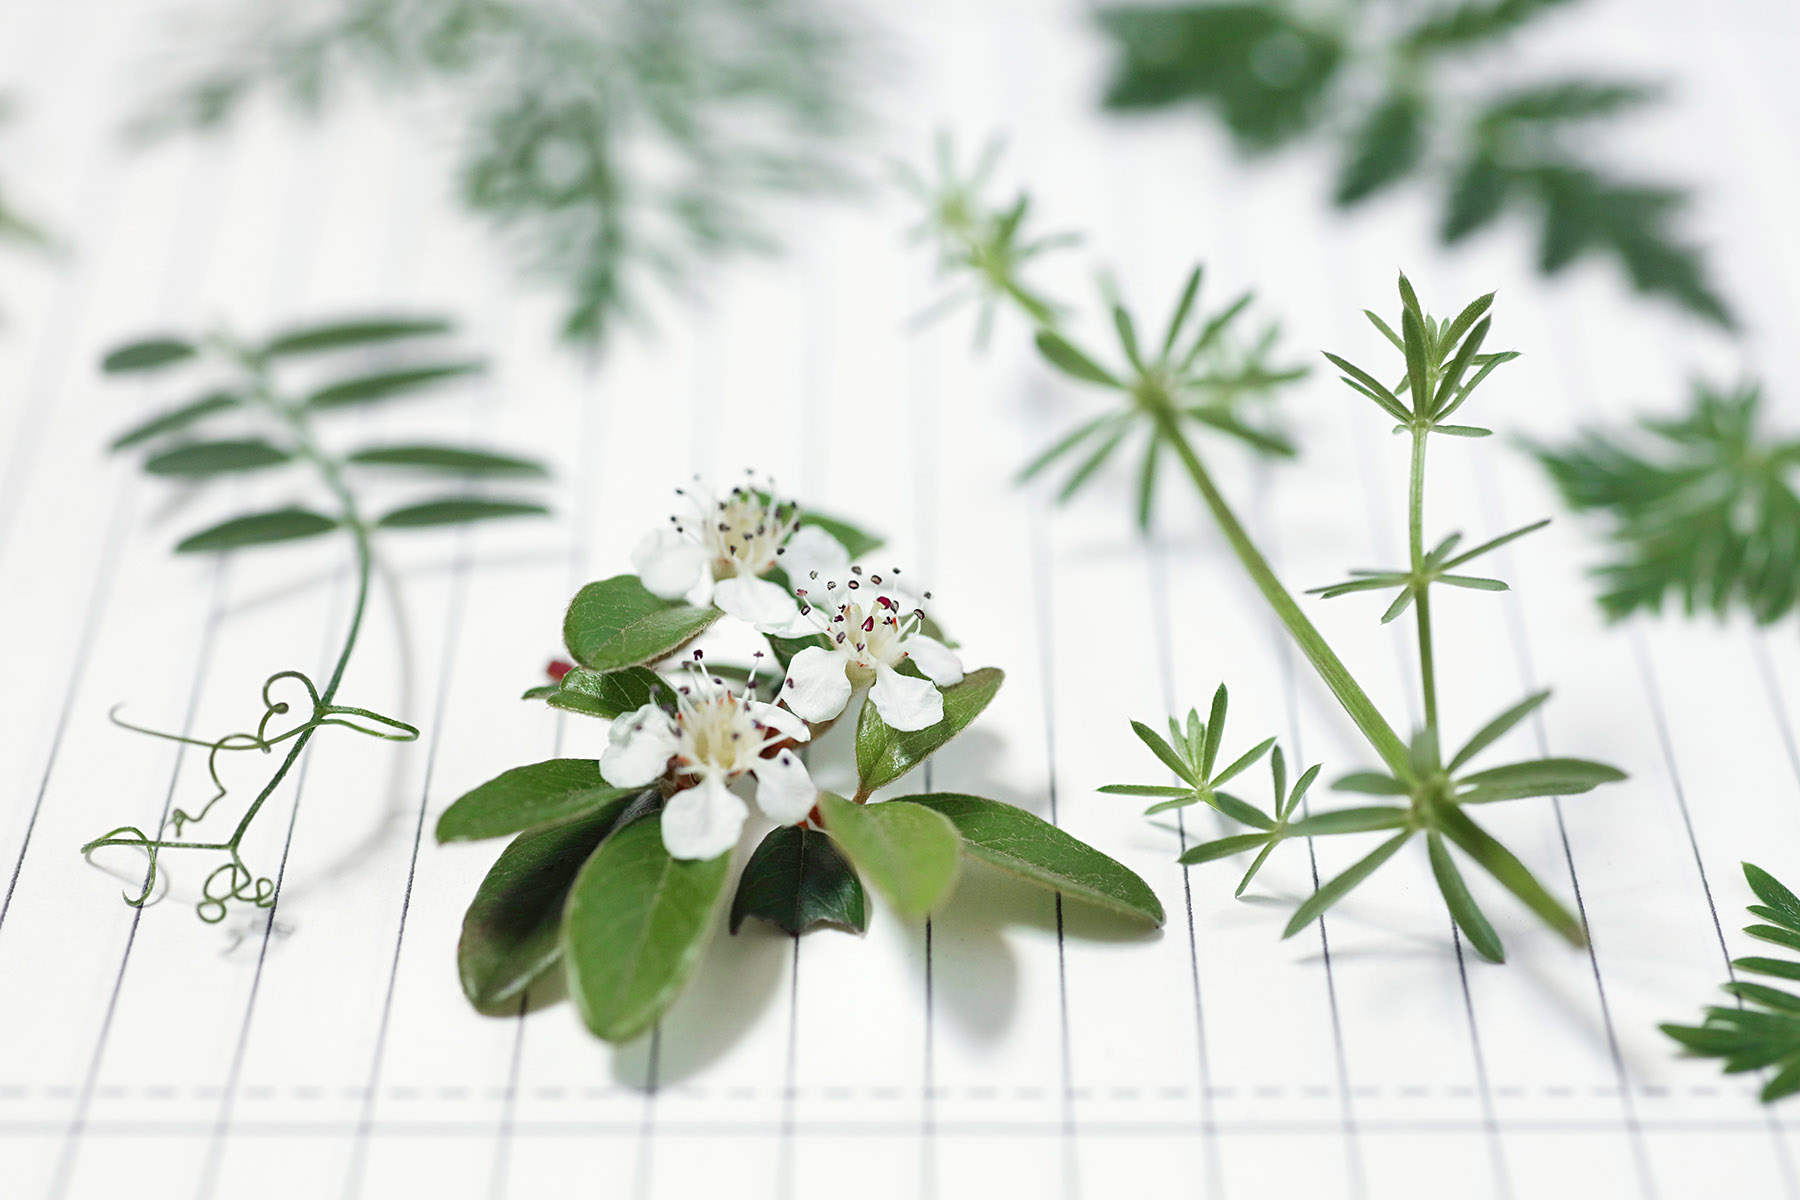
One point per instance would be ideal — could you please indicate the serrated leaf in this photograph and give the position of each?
(606, 694)
(341, 335)
(511, 932)
(386, 385)
(200, 459)
(148, 355)
(617, 623)
(906, 851)
(256, 529)
(175, 419)
(884, 754)
(634, 928)
(796, 880)
(1026, 846)
(458, 510)
(541, 793)
(455, 460)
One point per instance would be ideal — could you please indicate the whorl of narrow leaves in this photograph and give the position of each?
(1761, 1030)
(613, 148)
(1275, 72)
(1700, 510)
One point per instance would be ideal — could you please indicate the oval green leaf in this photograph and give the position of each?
(456, 460)
(884, 754)
(198, 459)
(174, 419)
(538, 794)
(617, 623)
(796, 881)
(634, 927)
(340, 335)
(510, 935)
(608, 694)
(366, 389)
(907, 851)
(277, 525)
(458, 510)
(148, 355)
(1008, 838)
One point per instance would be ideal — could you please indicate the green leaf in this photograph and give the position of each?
(857, 542)
(148, 355)
(1463, 909)
(524, 797)
(1349, 820)
(175, 419)
(907, 851)
(511, 933)
(456, 460)
(1778, 903)
(1336, 889)
(340, 335)
(1780, 968)
(1012, 840)
(458, 510)
(1418, 366)
(200, 459)
(634, 928)
(277, 525)
(1145, 789)
(618, 623)
(884, 754)
(1065, 444)
(1243, 762)
(1497, 728)
(1371, 783)
(1372, 387)
(1768, 997)
(1064, 356)
(1165, 752)
(1776, 934)
(606, 694)
(1512, 874)
(1224, 847)
(1539, 777)
(796, 880)
(1242, 812)
(1383, 150)
(385, 385)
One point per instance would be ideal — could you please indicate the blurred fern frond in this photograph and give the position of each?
(1399, 87)
(614, 143)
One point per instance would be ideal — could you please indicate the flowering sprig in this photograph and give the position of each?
(258, 422)
(618, 868)
(1443, 364)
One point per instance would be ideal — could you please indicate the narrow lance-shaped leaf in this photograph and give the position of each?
(1463, 909)
(340, 335)
(634, 928)
(199, 459)
(455, 460)
(1021, 844)
(176, 419)
(1336, 889)
(1512, 874)
(1497, 728)
(458, 510)
(148, 355)
(1073, 362)
(278, 525)
(387, 384)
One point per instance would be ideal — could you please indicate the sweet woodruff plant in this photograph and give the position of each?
(618, 870)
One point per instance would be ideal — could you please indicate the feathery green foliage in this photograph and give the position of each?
(1702, 508)
(1762, 1030)
(612, 145)
(1410, 104)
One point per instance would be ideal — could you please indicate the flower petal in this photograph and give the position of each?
(784, 791)
(817, 687)
(639, 747)
(810, 549)
(938, 661)
(703, 821)
(782, 721)
(761, 602)
(668, 564)
(904, 702)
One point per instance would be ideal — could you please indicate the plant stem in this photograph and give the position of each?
(1331, 669)
(1422, 598)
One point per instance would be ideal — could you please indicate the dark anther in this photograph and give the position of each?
(869, 625)
(856, 570)
(854, 585)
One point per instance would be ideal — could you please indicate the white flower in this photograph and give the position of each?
(714, 738)
(719, 553)
(871, 627)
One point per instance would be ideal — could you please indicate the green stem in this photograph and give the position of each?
(1331, 669)
(1422, 598)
